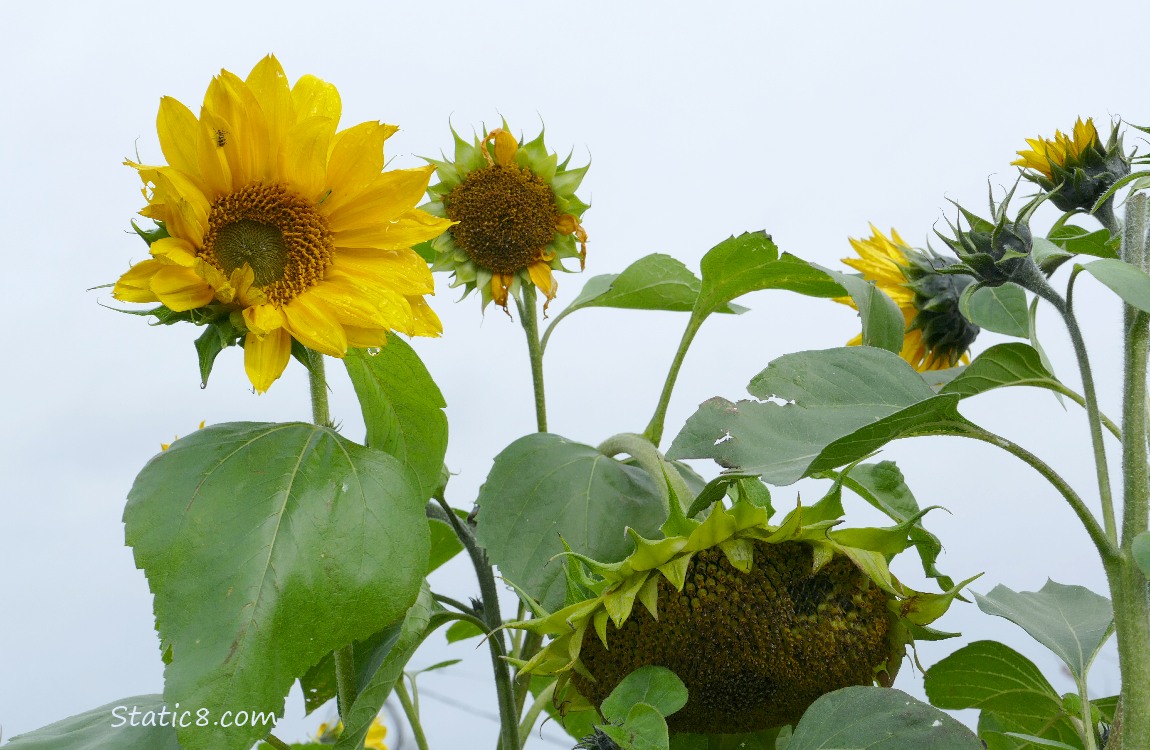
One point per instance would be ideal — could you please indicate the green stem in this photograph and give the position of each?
(276, 742)
(1106, 217)
(654, 431)
(455, 603)
(319, 409)
(412, 714)
(1106, 421)
(1093, 414)
(345, 687)
(1088, 739)
(665, 477)
(1107, 549)
(508, 715)
(1128, 585)
(528, 316)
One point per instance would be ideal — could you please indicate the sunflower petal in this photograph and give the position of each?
(266, 357)
(136, 284)
(180, 288)
(178, 130)
(314, 325)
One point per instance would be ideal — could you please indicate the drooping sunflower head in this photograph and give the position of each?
(937, 334)
(1076, 168)
(757, 620)
(274, 226)
(515, 213)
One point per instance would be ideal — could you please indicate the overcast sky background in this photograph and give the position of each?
(808, 120)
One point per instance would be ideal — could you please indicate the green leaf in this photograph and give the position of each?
(1041, 742)
(1080, 241)
(1130, 283)
(376, 683)
(882, 485)
(843, 404)
(654, 282)
(644, 729)
(461, 630)
(402, 408)
(1047, 255)
(995, 678)
(874, 718)
(216, 337)
(111, 726)
(751, 262)
(250, 534)
(658, 687)
(444, 544)
(544, 487)
(319, 684)
(1141, 549)
(1071, 621)
(1001, 309)
(883, 324)
(1004, 365)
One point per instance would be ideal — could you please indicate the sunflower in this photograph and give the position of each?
(1075, 168)
(757, 620)
(937, 335)
(515, 213)
(280, 227)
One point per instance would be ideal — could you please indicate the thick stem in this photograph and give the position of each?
(412, 714)
(654, 431)
(1128, 585)
(319, 409)
(508, 715)
(1107, 549)
(1106, 217)
(528, 316)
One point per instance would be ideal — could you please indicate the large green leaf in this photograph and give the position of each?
(882, 485)
(1002, 365)
(842, 404)
(268, 546)
(654, 282)
(402, 408)
(874, 718)
(1130, 283)
(1001, 309)
(127, 724)
(319, 684)
(750, 262)
(544, 489)
(995, 678)
(1080, 241)
(883, 324)
(377, 679)
(1071, 621)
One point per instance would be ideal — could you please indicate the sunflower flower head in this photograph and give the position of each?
(276, 227)
(515, 215)
(996, 251)
(757, 620)
(937, 335)
(1075, 168)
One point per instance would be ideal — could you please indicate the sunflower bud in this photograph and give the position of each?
(996, 252)
(946, 332)
(1075, 168)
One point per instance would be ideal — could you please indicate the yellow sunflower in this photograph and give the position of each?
(1075, 168)
(282, 226)
(937, 336)
(1060, 151)
(515, 213)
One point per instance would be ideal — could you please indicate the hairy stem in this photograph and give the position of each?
(528, 316)
(412, 714)
(276, 742)
(1128, 585)
(1107, 549)
(508, 715)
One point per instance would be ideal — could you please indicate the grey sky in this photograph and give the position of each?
(702, 120)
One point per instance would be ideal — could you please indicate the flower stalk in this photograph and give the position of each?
(528, 315)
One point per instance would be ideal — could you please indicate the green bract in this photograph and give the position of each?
(757, 620)
(515, 211)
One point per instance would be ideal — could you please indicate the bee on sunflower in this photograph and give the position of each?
(515, 216)
(937, 334)
(275, 227)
